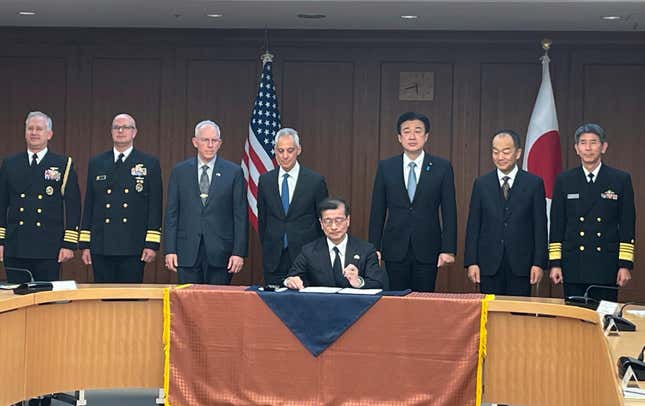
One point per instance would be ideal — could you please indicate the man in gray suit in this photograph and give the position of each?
(206, 230)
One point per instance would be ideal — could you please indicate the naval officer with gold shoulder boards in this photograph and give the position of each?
(592, 221)
(121, 227)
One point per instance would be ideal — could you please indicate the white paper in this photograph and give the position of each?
(639, 313)
(352, 291)
(64, 285)
(607, 307)
(320, 289)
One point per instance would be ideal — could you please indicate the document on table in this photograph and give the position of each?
(320, 289)
(352, 291)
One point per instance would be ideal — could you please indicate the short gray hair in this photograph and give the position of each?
(590, 128)
(288, 132)
(48, 120)
(207, 123)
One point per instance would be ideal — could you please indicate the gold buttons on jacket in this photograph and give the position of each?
(582, 218)
(21, 222)
(125, 205)
(109, 191)
(22, 195)
(107, 221)
(125, 220)
(126, 190)
(598, 219)
(108, 205)
(39, 210)
(582, 233)
(599, 234)
(22, 209)
(598, 249)
(40, 197)
(38, 224)
(582, 248)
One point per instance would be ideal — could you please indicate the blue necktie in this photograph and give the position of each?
(285, 202)
(412, 181)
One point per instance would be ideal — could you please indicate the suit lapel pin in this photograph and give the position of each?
(218, 174)
(428, 166)
(357, 257)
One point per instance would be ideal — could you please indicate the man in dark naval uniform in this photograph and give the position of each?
(40, 207)
(592, 222)
(121, 227)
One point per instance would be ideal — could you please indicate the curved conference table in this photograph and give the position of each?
(540, 352)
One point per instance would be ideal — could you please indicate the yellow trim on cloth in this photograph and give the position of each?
(482, 346)
(166, 340)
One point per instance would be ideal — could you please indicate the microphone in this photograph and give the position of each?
(586, 301)
(621, 323)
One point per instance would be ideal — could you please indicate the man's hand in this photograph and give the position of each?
(86, 257)
(1, 253)
(536, 275)
(235, 264)
(473, 273)
(445, 259)
(148, 255)
(351, 274)
(171, 262)
(294, 282)
(65, 255)
(556, 275)
(623, 277)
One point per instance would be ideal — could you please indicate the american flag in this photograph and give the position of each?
(258, 150)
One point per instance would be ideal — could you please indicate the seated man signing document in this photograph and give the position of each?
(338, 259)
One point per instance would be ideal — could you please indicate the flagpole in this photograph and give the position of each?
(267, 56)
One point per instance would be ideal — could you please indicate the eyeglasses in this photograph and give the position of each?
(123, 127)
(338, 221)
(208, 140)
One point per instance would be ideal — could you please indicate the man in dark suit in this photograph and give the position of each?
(40, 207)
(338, 259)
(592, 221)
(206, 231)
(288, 198)
(506, 237)
(121, 229)
(409, 192)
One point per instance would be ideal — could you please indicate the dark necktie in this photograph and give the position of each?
(119, 160)
(204, 184)
(590, 176)
(338, 269)
(412, 181)
(284, 196)
(506, 188)
(34, 160)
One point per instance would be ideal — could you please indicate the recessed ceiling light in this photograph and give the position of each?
(612, 18)
(312, 16)
(214, 15)
(27, 13)
(409, 17)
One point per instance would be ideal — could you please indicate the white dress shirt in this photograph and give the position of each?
(39, 155)
(511, 176)
(595, 173)
(209, 171)
(417, 168)
(342, 248)
(291, 180)
(125, 153)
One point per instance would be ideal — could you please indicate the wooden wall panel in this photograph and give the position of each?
(338, 89)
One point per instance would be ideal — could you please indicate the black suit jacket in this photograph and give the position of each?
(40, 208)
(223, 223)
(592, 225)
(395, 223)
(515, 228)
(313, 265)
(122, 213)
(300, 223)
